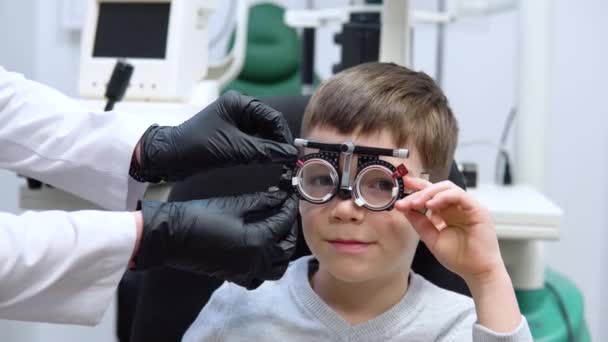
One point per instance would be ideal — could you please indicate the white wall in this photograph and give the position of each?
(57, 48)
(577, 154)
(480, 75)
(16, 52)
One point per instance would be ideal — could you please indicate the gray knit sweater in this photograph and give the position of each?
(289, 310)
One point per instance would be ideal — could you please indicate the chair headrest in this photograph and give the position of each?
(273, 48)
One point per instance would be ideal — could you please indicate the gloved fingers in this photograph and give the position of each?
(254, 117)
(268, 122)
(274, 273)
(152, 251)
(260, 205)
(280, 225)
(278, 258)
(277, 271)
(247, 282)
(156, 147)
(251, 207)
(286, 247)
(253, 284)
(269, 151)
(244, 204)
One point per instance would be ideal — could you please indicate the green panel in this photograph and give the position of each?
(543, 311)
(273, 48)
(272, 58)
(290, 86)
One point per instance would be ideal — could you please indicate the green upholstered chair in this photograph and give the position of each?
(272, 57)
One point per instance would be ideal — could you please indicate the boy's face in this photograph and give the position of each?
(352, 243)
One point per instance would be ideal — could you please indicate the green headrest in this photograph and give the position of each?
(273, 48)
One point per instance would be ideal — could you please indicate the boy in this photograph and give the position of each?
(358, 285)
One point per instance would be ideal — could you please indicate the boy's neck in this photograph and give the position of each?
(360, 302)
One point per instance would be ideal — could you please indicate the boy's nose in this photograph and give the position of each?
(346, 211)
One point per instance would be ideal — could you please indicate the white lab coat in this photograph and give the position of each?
(56, 266)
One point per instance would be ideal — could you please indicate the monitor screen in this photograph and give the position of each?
(132, 30)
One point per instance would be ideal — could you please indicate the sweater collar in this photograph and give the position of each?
(401, 313)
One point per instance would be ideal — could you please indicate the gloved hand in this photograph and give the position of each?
(220, 135)
(243, 239)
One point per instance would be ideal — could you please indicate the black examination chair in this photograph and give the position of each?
(170, 300)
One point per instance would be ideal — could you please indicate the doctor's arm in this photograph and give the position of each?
(64, 267)
(50, 137)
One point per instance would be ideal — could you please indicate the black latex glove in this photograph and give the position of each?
(243, 239)
(220, 135)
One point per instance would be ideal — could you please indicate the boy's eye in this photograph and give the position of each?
(380, 184)
(384, 185)
(319, 180)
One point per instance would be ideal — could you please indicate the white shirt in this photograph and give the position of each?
(56, 266)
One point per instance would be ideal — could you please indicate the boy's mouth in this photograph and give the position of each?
(350, 246)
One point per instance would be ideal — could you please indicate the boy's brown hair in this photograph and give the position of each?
(375, 97)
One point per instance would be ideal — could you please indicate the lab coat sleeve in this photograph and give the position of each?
(62, 267)
(50, 137)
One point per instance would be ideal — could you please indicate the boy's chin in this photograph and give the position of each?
(352, 271)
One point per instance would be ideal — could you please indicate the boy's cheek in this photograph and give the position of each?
(316, 213)
(305, 208)
(312, 237)
(399, 224)
(400, 232)
(311, 220)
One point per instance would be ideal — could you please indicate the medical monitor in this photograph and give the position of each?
(116, 37)
(165, 41)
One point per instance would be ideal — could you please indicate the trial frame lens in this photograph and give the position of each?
(317, 180)
(375, 188)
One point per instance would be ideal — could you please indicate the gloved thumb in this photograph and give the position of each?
(270, 151)
(255, 117)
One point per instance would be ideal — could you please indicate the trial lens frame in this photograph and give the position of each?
(368, 156)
